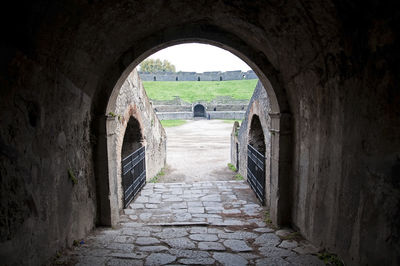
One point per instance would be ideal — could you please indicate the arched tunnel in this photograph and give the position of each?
(331, 69)
(199, 110)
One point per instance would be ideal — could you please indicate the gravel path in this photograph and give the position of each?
(198, 151)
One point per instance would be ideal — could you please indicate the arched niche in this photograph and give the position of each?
(132, 138)
(256, 135)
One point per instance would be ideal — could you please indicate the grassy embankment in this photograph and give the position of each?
(193, 91)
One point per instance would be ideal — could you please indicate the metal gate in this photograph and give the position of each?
(133, 174)
(256, 172)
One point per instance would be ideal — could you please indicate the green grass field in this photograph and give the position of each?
(192, 91)
(172, 123)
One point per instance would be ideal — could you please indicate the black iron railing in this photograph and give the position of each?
(133, 174)
(256, 172)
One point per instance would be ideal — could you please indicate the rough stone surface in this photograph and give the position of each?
(288, 244)
(229, 259)
(159, 259)
(283, 232)
(237, 245)
(268, 239)
(152, 248)
(204, 237)
(305, 260)
(121, 262)
(259, 106)
(146, 241)
(158, 231)
(182, 243)
(132, 100)
(198, 261)
(186, 253)
(306, 248)
(273, 261)
(332, 69)
(131, 123)
(172, 233)
(271, 251)
(238, 235)
(211, 246)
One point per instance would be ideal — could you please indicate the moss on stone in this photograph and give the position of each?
(72, 177)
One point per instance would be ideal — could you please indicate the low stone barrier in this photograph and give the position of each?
(239, 115)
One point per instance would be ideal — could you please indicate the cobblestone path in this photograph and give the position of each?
(203, 223)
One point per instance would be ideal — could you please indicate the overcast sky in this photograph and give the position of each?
(200, 58)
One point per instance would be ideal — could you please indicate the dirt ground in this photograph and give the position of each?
(198, 151)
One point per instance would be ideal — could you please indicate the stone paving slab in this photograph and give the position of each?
(202, 223)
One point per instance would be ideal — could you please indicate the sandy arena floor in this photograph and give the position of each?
(198, 151)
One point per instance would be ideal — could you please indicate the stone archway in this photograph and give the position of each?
(199, 110)
(280, 116)
(130, 123)
(124, 134)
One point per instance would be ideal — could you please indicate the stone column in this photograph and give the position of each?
(281, 185)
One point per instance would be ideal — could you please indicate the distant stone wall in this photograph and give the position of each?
(223, 107)
(259, 105)
(219, 100)
(239, 115)
(175, 115)
(193, 76)
(209, 108)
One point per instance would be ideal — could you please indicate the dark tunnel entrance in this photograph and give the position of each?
(199, 111)
(132, 138)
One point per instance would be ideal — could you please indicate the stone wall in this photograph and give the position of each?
(259, 105)
(175, 115)
(235, 145)
(213, 115)
(208, 106)
(222, 107)
(193, 76)
(132, 104)
(221, 103)
(133, 101)
(48, 189)
(219, 100)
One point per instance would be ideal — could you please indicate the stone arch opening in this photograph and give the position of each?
(199, 110)
(280, 122)
(256, 135)
(154, 78)
(132, 138)
(198, 78)
(124, 135)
